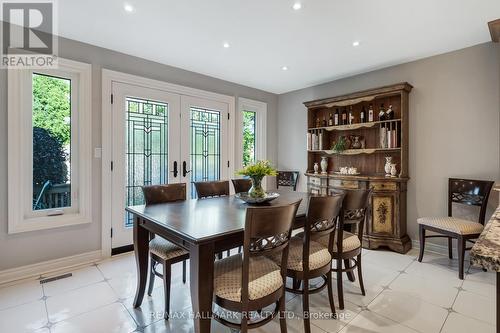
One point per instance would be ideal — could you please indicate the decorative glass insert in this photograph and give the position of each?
(146, 142)
(249, 119)
(205, 146)
(51, 122)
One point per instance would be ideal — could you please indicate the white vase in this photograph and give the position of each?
(324, 164)
(316, 167)
(394, 171)
(387, 167)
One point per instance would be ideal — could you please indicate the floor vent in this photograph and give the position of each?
(59, 277)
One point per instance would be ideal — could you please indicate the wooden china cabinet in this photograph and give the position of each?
(368, 141)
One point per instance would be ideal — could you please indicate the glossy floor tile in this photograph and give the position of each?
(402, 296)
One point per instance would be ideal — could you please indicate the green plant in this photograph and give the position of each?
(49, 158)
(258, 169)
(340, 145)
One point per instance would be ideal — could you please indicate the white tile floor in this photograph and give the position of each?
(403, 295)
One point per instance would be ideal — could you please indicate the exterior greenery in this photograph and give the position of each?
(248, 137)
(49, 158)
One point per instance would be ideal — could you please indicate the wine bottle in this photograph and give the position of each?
(362, 115)
(318, 122)
(381, 114)
(389, 114)
(336, 120)
(330, 120)
(344, 117)
(370, 113)
(324, 121)
(351, 116)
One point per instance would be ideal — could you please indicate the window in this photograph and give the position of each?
(252, 125)
(49, 157)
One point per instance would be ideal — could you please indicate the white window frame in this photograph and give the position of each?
(260, 109)
(21, 217)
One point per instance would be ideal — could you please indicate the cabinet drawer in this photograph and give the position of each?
(317, 181)
(384, 186)
(347, 184)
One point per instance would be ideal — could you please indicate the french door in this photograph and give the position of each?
(160, 137)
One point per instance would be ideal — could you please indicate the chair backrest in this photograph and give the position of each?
(155, 194)
(215, 188)
(469, 192)
(241, 185)
(287, 178)
(267, 231)
(355, 210)
(321, 221)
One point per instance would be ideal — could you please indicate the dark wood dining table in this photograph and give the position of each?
(204, 227)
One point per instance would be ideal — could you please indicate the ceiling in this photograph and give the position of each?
(315, 42)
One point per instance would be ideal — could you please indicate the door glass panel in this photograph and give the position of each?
(51, 121)
(146, 142)
(205, 146)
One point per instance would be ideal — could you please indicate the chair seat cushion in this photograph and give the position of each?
(165, 249)
(351, 241)
(264, 278)
(318, 255)
(452, 224)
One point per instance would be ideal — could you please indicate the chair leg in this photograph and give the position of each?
(239, 249)
(244, 322)
(340, 287)
(305, 306)
(450, 248)
(184, 271)
(350, 275)
(166, 287)
(360, 276)
(330, 292)
(421, 236)
(282, 314)
(228, 253)
(461, 255)
(151, 277)
(296, 284)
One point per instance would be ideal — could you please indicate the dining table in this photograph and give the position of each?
(204, 227)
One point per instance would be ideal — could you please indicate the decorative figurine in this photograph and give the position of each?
(316, 167)
(387, 167)
(324, 165)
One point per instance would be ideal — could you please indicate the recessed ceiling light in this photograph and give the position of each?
(284, 68)
(355, 43)
(297, 6)
(226, 45)
(128, 8)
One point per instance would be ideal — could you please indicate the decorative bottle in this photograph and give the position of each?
(324, 165)
(370, 113)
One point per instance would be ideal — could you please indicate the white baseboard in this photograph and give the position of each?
(430, 247)
(47, 267)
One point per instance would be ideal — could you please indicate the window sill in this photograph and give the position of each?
(47, 222)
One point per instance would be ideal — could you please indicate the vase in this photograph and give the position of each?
(387, 167)
(316, 167)
(324, 165)
(394, 171)
(256, 191)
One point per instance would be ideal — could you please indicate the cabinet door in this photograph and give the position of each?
(382, 218)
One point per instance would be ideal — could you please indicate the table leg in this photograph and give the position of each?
(141, 250)
(202, 284)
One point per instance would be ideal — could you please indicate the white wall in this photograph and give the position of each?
(33, 247)
(454, 123)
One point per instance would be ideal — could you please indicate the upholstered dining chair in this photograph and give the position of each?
(161, 250)
(287, 178)
(348, 246)
(241, 185)
(252, 281)
(463, 192)
(309, 259)
(216, 188)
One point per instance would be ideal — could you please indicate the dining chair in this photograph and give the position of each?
(287, 178)
(214, 188)
(250, 282)
(308, 259)
(241, 185)
(161, 250)
(463, 192)
(347, 246)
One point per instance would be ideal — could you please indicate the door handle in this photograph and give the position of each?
(184, 169)
(175, 171)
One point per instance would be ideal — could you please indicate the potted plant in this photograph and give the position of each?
(256, 172)
(340, 145)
